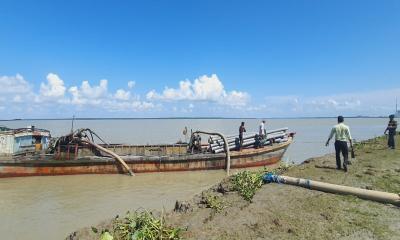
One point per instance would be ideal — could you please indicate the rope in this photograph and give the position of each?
(272, 178)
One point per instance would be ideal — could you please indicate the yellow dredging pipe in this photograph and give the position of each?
(228, 153)
(116, 157)
(373, 195)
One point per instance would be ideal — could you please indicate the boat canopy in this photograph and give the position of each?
(22, 140)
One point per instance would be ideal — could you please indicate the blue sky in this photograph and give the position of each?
(198, 58)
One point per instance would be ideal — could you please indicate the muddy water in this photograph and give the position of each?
(51, 207)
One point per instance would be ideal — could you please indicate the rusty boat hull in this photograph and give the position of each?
(141, 159)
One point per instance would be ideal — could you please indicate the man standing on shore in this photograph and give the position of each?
(391, 128)
(241, 131)
(342, 135)
(261, 130)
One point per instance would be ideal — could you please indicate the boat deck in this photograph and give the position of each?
(40, 165)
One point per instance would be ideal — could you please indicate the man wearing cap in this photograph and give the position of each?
(391, 128)
(342, 135)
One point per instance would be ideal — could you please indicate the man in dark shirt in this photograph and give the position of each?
(241, 131)
(391, 128)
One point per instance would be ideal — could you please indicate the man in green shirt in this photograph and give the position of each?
(342, 135)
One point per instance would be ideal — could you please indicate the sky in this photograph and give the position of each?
(290, 58)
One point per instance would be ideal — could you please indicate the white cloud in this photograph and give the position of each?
(121, 94)
(204, 96)
(208, 88)
(138, 105)
(54, 88)
(203, 88)
(131, 84)
(20, 98)
(236, 98)
(17, 99)
(14, 84)
(377, 102)
(135, 105)
(99, 97)
(151, 95)
(86, 94)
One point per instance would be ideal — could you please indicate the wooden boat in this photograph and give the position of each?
(71, 155)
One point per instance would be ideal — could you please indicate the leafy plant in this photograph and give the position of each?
(247, 183)
(139, 226)
(104, 234)
(214, 202)
(143, 226)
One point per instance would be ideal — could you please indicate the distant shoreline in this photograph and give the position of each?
(165, 118)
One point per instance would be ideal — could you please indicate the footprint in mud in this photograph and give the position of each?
(277, 222)
(326, 216)
(369, 172)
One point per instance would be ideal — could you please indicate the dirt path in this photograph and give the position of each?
(280, 211)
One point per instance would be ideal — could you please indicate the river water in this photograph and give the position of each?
(51, 207)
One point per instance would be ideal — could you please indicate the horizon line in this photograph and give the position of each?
(142, 118)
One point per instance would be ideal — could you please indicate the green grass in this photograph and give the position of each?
(214, 202)
(140, 226)
(247, 183)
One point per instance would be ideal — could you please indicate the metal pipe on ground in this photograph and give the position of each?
(372, 195)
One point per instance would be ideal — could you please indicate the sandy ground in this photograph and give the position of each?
(280, 211)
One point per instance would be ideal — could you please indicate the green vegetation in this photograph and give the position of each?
(214, 202)
(247, 183)
(140, 226)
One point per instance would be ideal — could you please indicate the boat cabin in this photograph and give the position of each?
(23, 140)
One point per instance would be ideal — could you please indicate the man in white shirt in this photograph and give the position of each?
(342, 135)
(261, 130)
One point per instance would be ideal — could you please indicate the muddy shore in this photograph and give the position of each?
(279, 211)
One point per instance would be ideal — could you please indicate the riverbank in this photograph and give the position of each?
(280, 211)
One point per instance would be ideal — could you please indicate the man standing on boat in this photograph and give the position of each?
(391, 128)
(342, 135)
(241, 131)
(261, 130)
